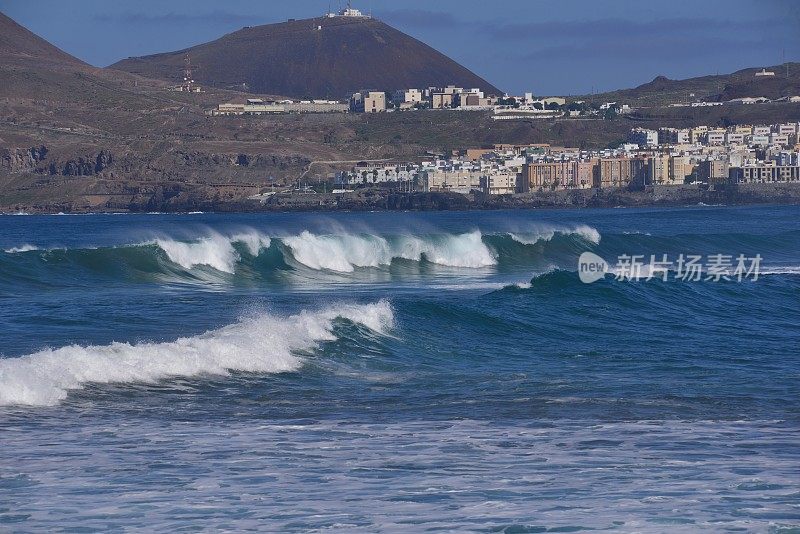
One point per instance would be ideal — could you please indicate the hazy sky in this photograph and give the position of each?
(548, 47)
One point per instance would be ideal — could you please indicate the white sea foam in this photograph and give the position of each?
(547, 233)
(22, 248)
(262, 344)
(343, 253)
(779, 270)
(215, 250)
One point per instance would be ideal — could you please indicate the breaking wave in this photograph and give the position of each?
(339, 253)
(548, 233)
(261, 344)
(21, 248)
(344, 253)
(216, 251)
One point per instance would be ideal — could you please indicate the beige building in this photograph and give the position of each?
(713, 171)
(658, 170)
(375, 102)
(442, 100)
(460, 181)
(619, 172)
(679, 168)
(501, 183)
(551, 175)
(697, 134)
(715, 137)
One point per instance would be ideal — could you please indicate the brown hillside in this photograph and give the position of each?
(719, 87)
(300, 60)
(21, 44)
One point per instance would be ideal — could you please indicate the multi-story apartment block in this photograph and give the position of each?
(375, 102)
(765, 174)
(734, 138)
(713, 171)
(679, 168)
(441, 100)
(785, 129)
(619, 172)
(715, 137)
(658, 170)
(778, 139)
(499, 183)
(548, 175)
(451, 180)
(757, 140)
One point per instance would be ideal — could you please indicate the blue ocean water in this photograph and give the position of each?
(397, 372)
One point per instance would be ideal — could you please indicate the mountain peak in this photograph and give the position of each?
(324, 57)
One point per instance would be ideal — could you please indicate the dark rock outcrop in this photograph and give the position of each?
(19, 159)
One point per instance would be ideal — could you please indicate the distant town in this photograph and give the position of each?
(651, 158)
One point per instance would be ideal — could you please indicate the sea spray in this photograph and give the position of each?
(215, 250)
(547, 233)
(344, 253)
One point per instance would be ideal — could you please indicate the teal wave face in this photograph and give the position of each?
(253, 256)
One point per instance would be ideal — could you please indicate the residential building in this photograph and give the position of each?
(550, 175)
(679, 168)
(500, 183)
(375, 102)
(734, 138)
(407, 96)
(674, 136)
(643, 137)
(441, 100)
(619, 172)
(765, 174)
(715, 137)
(658, 170)
(713, 171)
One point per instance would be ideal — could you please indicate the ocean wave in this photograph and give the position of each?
(547, 233)
(21, 248)
(215, 250)
(344, 253)
(261, 344)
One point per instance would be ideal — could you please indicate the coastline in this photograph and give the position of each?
(376, 199)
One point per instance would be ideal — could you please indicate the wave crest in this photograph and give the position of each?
(216, 251)
(344, 253)
(22, 248)
(262, 344)
(546, 233)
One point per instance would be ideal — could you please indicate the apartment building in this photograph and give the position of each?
(658, 170)
(763, 173)
(715, 137)
(441, 100)
(679, 168)
(619, 172)
(451, 180)
(550, 175)
(713, 171)
(500, 183)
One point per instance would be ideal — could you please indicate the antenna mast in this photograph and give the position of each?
(188, 78)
